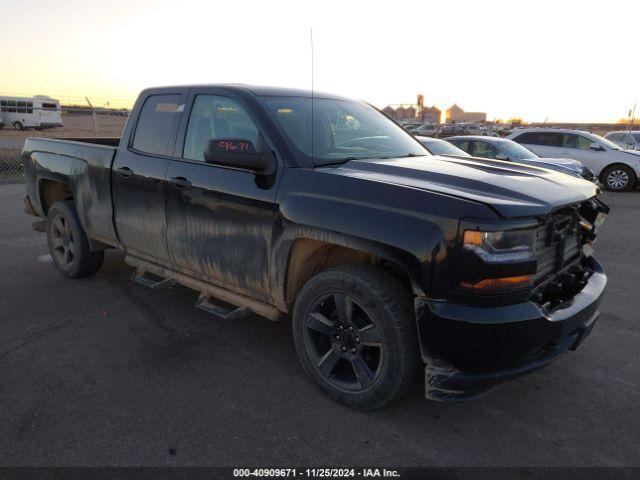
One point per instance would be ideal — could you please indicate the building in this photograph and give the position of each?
(389, 110)
(407, 113)
(417, 112)
(456, 114)
(431, 114)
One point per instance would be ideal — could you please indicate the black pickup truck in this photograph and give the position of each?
(389, 261)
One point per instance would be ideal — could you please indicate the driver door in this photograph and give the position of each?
(219, 220)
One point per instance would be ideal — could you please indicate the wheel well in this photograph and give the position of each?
(52, 192)
(310, 257)
(604, 170)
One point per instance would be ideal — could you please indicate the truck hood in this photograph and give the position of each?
(512, 190)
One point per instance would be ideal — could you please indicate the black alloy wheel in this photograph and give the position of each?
(64, 250)
(68, 242)
(344, 343)
(355, 335)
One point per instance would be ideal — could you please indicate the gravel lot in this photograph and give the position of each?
(105, 372)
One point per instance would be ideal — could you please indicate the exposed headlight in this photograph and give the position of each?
(505, 260)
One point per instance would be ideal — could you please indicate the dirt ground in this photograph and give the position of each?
(74, 126)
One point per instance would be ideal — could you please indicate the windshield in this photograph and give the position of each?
(515, 151)
(605, 142)
(636, 136)
(442, 147)
(342, 130)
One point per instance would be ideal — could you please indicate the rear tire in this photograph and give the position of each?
(68, 242)
(354, 332)
(618, 178)
(18, 125)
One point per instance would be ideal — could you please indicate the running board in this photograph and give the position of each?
(140, 277)
(204, 303)
(207, 291)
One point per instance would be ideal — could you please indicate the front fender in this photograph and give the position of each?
(413, 228)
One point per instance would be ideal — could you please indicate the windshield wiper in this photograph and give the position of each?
(408, 155)
(351, 157)
(339, 161)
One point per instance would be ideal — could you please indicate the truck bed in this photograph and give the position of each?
(84, 164)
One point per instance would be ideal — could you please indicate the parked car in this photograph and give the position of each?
(426, 130)
(451, 130)
(436, 146)
(508, 150)
(628, 140)
(616, 168)
(383, 261)
(411, 126)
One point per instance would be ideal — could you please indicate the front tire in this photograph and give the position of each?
(618, 178)
(68, 242)
(354, 333)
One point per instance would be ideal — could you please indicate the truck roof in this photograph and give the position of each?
(257, 90)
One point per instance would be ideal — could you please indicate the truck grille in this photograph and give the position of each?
(557, 243)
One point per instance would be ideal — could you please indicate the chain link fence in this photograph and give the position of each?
(80, 116)
(10, 166)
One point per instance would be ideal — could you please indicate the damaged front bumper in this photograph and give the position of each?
(470, 350)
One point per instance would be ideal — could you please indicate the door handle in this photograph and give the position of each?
(179, 182)
(124, 171)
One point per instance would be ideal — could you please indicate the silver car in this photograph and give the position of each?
(508, 150)
(436, 146)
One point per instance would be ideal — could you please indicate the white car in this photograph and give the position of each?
(426, 130)
(616, 168)
(625, 139)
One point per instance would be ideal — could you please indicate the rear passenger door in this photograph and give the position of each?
(219, 220)
(138, 175)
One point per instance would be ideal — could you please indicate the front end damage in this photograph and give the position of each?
(470, 349)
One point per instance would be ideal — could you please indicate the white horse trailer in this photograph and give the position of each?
(37, 112)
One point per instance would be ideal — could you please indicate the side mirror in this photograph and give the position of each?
(502, 156)
(596, 146)
(241, 154)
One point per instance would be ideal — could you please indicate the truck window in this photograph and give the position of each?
(154, 131)
(214, 117)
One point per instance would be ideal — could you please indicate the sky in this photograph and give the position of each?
(564, 61)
